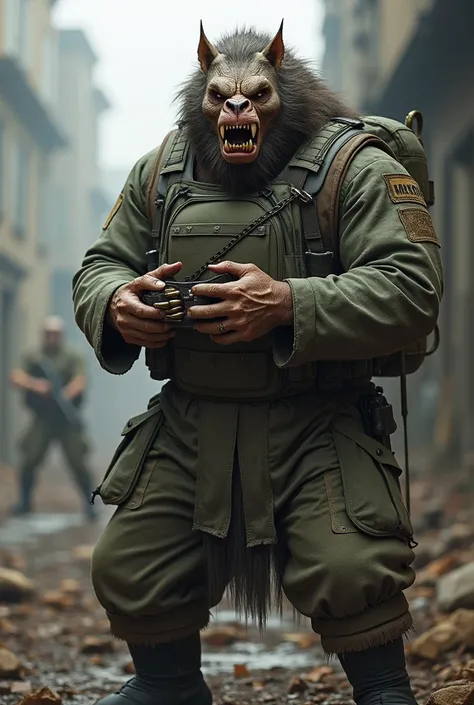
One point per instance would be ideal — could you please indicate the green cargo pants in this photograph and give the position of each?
(35, 443)
(340, 521)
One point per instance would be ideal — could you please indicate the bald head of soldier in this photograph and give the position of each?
(53, 332)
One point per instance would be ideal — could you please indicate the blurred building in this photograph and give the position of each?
(388, 58)
(78, 206)
(29, 134)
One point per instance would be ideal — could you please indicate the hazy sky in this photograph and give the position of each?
(147, 47)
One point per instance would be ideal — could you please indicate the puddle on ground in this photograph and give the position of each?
(23, 530)
(261, 651)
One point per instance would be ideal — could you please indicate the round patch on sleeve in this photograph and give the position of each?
(418, 225)
(113, 212)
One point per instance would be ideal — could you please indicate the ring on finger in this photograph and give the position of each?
(222, 327)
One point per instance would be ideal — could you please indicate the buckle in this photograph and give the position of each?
(302, 195)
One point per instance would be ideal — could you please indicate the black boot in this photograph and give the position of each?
(26, 487)
(166, 674)
(379, 676)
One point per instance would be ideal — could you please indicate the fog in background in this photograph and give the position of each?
(147, 48)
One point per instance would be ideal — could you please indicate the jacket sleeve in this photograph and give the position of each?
(390, 291)
(116, 258)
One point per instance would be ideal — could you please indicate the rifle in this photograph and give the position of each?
(42, 405)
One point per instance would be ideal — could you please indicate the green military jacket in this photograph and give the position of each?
(66, 361)
(387, 297)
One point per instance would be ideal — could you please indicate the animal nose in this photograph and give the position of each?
(237, 106)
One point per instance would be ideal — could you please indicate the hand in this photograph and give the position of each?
(42, 387)
(137, 323)
(251, 307)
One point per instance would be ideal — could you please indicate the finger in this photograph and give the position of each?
(140, 325)
(212, 328)
(215, 291)
(165, 271)
(219, 310)
(235, 268)
(130, 304)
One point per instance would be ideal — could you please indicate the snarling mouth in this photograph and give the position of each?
(239, 139)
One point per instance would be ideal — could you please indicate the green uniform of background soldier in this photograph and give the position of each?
(50, 423)
(256, 451)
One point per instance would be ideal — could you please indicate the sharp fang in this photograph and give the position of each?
(222, 131)
(226, 146)
(254, 130)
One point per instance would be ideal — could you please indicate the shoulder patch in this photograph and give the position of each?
(113, 212)
(403, 189)
(418, 225)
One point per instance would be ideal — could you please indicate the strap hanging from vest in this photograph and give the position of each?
(312, 179)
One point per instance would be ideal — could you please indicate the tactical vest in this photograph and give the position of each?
(193, 220)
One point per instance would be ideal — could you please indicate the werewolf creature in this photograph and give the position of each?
(256, 451)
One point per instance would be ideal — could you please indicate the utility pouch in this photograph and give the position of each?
(320, 264)
(177, 297)
(126, 467)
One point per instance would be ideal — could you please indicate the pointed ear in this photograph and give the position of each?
(206, 51)
(275, 51)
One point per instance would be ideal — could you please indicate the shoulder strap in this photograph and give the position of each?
(328, 202)
(320, 168)
(153, 179)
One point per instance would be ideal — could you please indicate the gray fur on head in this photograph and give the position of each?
(306, 105)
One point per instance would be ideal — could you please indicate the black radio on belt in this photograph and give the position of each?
(378, 416)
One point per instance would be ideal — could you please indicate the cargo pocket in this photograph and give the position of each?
(370, 483)
(340, 522)
(125, 470)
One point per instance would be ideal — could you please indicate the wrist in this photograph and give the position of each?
(285, 304)
(110, 318)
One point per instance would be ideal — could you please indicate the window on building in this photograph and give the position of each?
(20, 180)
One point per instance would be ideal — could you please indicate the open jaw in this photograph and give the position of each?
(239, 140)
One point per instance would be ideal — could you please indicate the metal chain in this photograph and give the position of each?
(295, 193)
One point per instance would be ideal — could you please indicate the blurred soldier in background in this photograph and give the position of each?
(54, 382)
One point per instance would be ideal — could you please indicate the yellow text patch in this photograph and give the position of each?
(113, 212)
(403, 189)
(418, 225)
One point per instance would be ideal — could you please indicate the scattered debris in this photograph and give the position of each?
(456, 589)
(224, 635)
(297, 685)
(10, 664)
(455, 695)
(14, 586)
(456, 630)
(45, 696)
(97, 645)
(241, 671)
